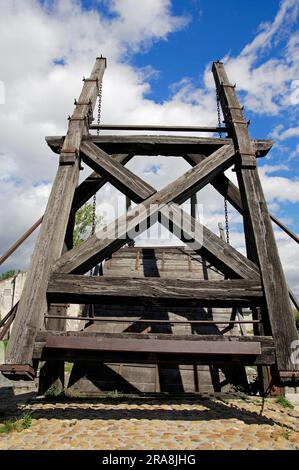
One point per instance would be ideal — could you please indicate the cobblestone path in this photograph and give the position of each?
(155, 424)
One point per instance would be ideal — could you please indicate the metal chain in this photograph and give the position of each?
(225, 200)
(94, 199)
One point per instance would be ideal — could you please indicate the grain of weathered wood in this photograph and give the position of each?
(150, 345)
(51, 237)
(222, 255)
(90, 289)
(267, 355)
(122, 178)
(159, 145)
(94, 182)
(116, 235)
(231, 192)
(260, 240)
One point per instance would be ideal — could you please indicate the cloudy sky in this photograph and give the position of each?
(159, 60)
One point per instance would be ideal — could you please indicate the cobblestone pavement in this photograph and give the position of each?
(139, 423)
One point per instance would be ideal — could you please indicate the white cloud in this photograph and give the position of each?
(280, 133)
(269, 83)
(39, 96)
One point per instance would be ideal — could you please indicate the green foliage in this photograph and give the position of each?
(83, 224)
(284, 402)
(20, 424)
(9, 425)
(114, 394)
(26, 420)
(285, 433)
(8, 274)
(296, 315)
(53, 391)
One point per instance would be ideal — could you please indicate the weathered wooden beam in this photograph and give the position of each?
(202, 349)
(159, 145)
(94, 182)
(231, 192)
(260, 240)
(154, 346)
(219, 253)
(137, 220)
(50, 241)
(122, 178)
(90, 289)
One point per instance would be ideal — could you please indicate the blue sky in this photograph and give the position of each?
(159, 59)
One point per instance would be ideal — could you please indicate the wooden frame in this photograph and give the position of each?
(56, 270)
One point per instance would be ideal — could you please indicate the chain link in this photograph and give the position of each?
(225, 200)
(94, 199)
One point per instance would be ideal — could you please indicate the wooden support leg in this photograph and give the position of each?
(260, 241)
(52, 372)
(50, 241)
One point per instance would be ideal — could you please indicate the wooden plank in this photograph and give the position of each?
(159, 346)
(50, 241)
(267, 355)
(266, 341)
(260, 240)
(82, 258)
(222, 255)
(122, 178)
(266, 358)
(159, 145)
(89, 289)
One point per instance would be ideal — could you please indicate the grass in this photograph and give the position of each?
(114, 394)
(285, 433)
(26, 420)
(18, 425)
(284, 402)
(53, 392)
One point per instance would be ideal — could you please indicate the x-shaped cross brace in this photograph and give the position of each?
(152, 205)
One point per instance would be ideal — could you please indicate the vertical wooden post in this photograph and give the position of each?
(128, 203)
(50, 241)
(260, 241)
(193, 202)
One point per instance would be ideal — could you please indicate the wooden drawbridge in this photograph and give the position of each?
(156, 311)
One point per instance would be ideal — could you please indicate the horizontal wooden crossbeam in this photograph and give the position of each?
(91, 289)
(149, 348)
(160, 145)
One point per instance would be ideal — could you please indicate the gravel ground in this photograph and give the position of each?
(154, 423)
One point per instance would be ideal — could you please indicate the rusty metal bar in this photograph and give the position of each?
(284, 228)
(20, 371)
(175, 322)
(11, 312)
(294, 299)
(137, 127)
(6, 327)
(19, 242)
(160, 346)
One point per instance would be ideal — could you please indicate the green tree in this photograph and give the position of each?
(8, 274)
(83, 224)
